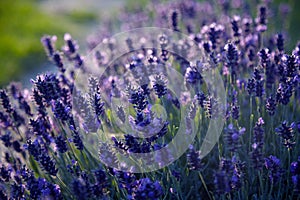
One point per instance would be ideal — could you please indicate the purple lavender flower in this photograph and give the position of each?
(235, 26)
(5, 174)
(251, 86)
(61, 144)
(247, 22)
(193, 76)
(40, 126)
(39, 102)
(174, 19)
(98, 105)
(232, 57)
(48, 43)
(47, 163)
(271, 105)
(160, 86)
(4, 120)
(284, 93)
(291, 66)
(24, 105)
(258, 143)
(40, 155)
(79, 188)
(201, 98)
(147, 189)
(235, 111)
(280, 42)
(48, 87)
(17, 191)
(6, 139)
(61, 111)
(193, 159)
(286, 132)
(138, 99)
(261, 19)
(272, 163)
(5, 102)
(71, 46)
(34, 149)
(223, 176)
(221, 183)
(77, 140)
(57, 59)
(232, 137)
(295, 170)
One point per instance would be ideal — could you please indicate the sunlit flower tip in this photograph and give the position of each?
(48, 43)
(235, 26)
(247, 22)
(70, 46)
(264, 55)
(296, 51)
(193, 76)
(261, 19)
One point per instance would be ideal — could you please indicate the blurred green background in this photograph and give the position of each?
(24, 22)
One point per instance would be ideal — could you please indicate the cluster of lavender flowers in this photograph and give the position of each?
(48, 150)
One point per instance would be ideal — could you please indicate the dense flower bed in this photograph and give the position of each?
(55, 136)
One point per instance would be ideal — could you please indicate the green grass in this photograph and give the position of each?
(22, 24)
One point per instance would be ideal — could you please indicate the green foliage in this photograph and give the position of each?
(21, 23)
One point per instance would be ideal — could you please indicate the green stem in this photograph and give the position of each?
(205, 186)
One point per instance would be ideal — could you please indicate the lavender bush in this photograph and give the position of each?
(60, 139)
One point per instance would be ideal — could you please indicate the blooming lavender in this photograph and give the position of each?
(193, 158)
(59, 138)
(295, 170)
(232, 137)
(147, 189)
(286, 132)
(257, 146)
(272, 163)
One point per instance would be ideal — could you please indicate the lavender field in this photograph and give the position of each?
(170, 100)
